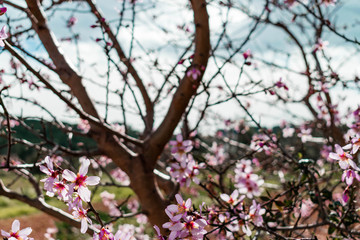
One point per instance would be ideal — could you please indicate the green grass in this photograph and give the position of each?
(13, 208)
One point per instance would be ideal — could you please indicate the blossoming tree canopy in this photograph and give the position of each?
(185, 119)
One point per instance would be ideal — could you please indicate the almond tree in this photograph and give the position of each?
(164, 95)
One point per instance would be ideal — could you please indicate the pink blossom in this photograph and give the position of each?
(104, 234)
(280, 84)
(183, 226)
(158, 234)
(345, 195)
(193, 229)
(56, 159)
(80, 181)
(49, 233)
(246, 181)
(349, 175)
(120, 176)
(247, 54)
(233, 198)
(354, 145)
(245, 228)
(180, 146)
(75, 202)
(174, 225)
(248, 184)
(61, 189)
(179, 171)
(122, 235)
(142, 219)
(3, 36)
(305, 133)
(3, 10)
(81, 214)
(262, 142)
(255, 213)
(108, 200)
(244, 166)
(194, 73)
(306, 208)
(49, 170)
(13, 123)
(288, 132)
(129, 231)
(232, 225)
(320, 45)
(16, 233)
(182, 207)
(217, 156)
(71, 22)
(186, 171)
(344, 158)
(133, 205)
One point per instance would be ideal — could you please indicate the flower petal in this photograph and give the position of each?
(84, 225)
(344, 164)
(25, 232)
(93, 180)
(45, 170)
(334, 156)
(15, 226)
(179, 199)
(84, 193)
(84, 167)
(49, 163)
(3, 33)
(338, 149)
(69, 175)
(5, 234)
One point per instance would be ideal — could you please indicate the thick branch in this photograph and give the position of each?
(188, 85)
(64, 69)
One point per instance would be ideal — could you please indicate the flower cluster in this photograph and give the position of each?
(184, 169)
(262, 142)
(108, 200)
(217, 155)
(71, 188)
(182, 224)
(246, 180)
(350, 169)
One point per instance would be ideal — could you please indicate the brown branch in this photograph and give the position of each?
(188, 85)
(64, 69)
